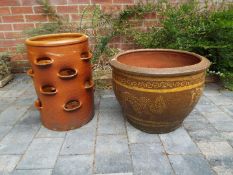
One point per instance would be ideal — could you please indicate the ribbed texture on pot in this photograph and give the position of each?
(62, 76)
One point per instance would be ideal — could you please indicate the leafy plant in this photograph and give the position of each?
(203, 30)
(5, 65)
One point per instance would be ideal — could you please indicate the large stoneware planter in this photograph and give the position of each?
(62, 76)
(158, 88)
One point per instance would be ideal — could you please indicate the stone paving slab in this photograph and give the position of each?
(12, 114)
(42, 153)
(4, 130)
(150, 159)
(109, 145)
(33, 172)
(46, 133)
(111, 123)
(218, 153)
(137, 136)
(31, 117)
(179, 142)
(8, 163)
(190, 165)
(80, 141)
(5, 102)
(109, 104)
(18, 139)
(74, 165)
(112, 155)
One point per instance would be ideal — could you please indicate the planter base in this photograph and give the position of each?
(68, 128)
(5, 80)
(156, 128)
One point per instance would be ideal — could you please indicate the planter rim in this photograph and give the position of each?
(174, 71)
(72, 38)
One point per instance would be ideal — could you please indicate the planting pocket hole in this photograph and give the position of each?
(72, 105)
(44, 61)
(48, 90)
(86, 56)
(67, 73)
(30, 72)
(89, 84)
(38, 104)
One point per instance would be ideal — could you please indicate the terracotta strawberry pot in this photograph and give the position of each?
(62, 76)
(158, 88)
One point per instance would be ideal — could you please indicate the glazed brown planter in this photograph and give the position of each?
(62, 76)
(158, 88)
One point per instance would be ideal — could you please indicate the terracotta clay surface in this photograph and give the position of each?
(158, 88)
(60, 74)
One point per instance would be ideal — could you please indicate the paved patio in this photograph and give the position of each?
(108, 144)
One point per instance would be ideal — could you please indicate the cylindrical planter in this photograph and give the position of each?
(158, 88)
(62, 76)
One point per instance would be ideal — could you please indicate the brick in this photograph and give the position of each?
(1, 35)
(9, 3)
(13, 35)
(29, 2)
(111, 8)
(67, 9)
(79, 1)
(123, 1)
(4, 11)
(23, 26)
(58, 2)
(101, 1)
(9, 43)
(150, 15)
(87, 8)
(38, 9)
(5, 27)
(151, 23)
(75, 17)
(125, 46)
(21, 10)
(35, 18)
(17, 57)
(3, 49)
(13, 18)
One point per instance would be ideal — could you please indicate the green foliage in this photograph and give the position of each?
(5, 65)
(203, 30)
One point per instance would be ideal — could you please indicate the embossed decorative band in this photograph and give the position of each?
(177, 89)
(158, 82)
